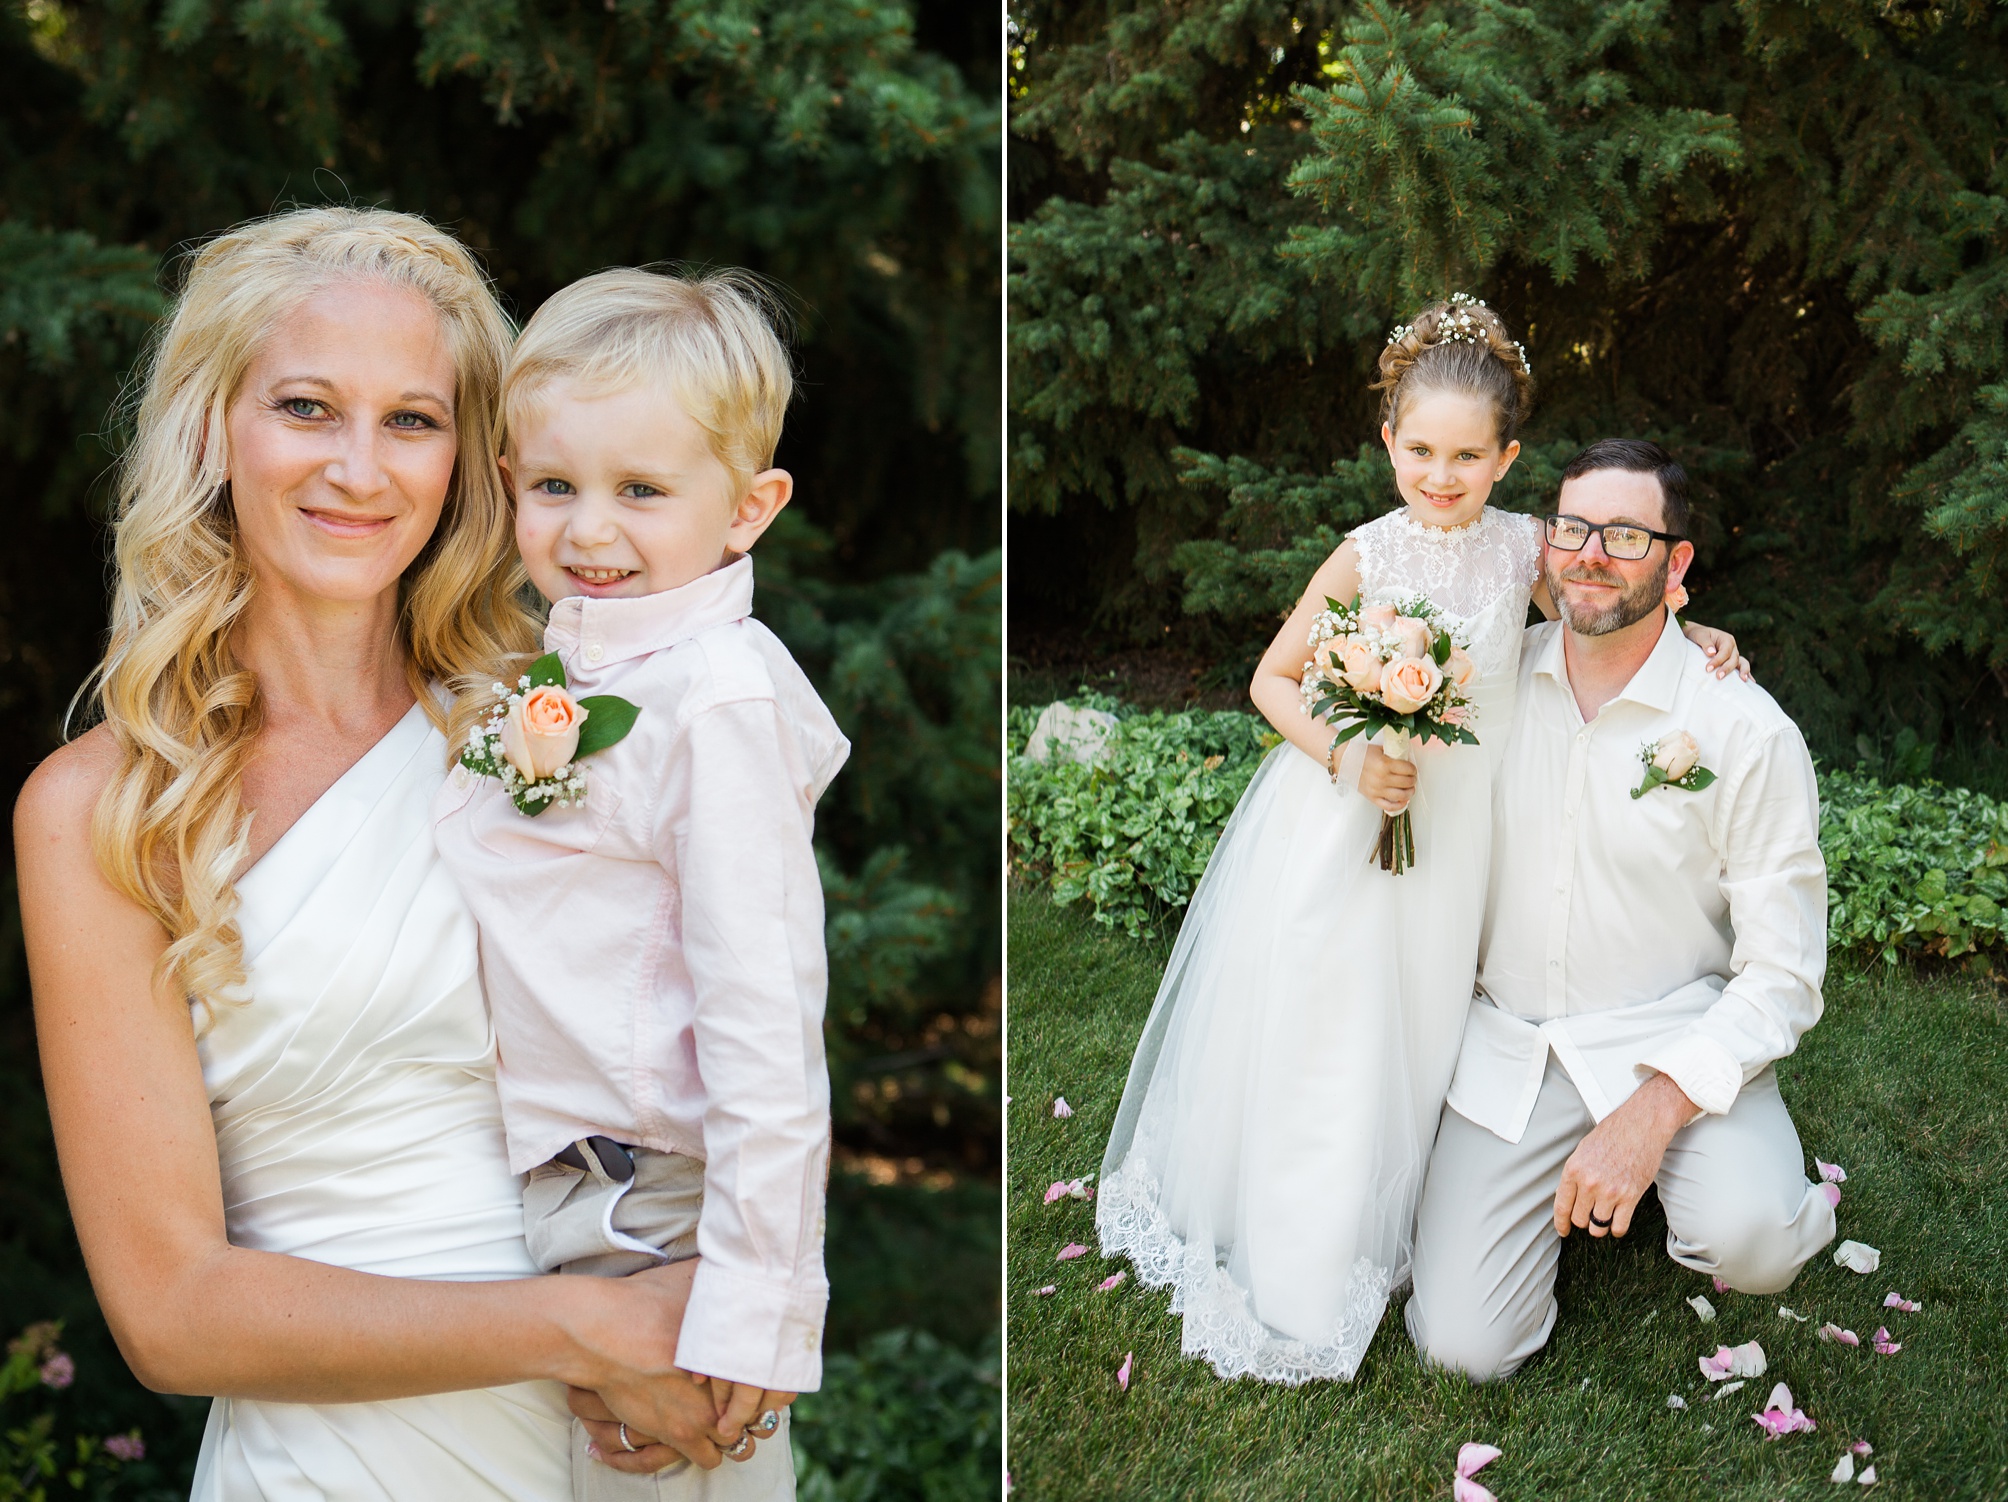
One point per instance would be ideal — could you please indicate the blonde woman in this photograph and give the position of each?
(267, 1055)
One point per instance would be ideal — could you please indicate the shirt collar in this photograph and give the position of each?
(1655, 683)
(615, 630)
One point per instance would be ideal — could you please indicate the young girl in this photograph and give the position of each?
(1269, 1151)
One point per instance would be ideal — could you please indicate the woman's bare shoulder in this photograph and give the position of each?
(61, 794)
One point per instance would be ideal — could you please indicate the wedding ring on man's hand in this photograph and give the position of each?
(627, 1444)
(1605, 1223)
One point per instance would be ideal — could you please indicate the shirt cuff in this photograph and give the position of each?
(1709, 1074)
(750, 1330)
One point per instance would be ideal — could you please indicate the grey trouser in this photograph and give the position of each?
(584, 1222)
(1738, 1205)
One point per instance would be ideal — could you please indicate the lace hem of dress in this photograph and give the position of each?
(1218, 1326)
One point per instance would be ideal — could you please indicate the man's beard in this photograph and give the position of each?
(1633, 604)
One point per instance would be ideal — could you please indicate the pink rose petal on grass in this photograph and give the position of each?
(1896, 1300)
(1832, 1194)
(1123, 1371)
(1862, 1447)
(1781, 1416)
(1883, 1344)
(1110, 1282)
(1070, 1251)
(1061, 1110)
(1832, 1173)
(1720, 1286)
(1833, 1332)
(1464, 1489)
(1473, 1457)
(1057, 1190)
(1049, 1290)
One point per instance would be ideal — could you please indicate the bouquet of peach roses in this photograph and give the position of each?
(1395, 671)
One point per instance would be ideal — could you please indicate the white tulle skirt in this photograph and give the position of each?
(1268, 1155)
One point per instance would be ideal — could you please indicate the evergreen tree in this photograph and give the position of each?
(1773, 236)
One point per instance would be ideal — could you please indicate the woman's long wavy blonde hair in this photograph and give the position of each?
(170, 830)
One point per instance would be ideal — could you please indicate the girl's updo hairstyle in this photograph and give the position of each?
(1459, 345)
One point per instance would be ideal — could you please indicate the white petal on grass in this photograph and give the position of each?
(1867, 1477)
(1746, 1360)
(1857, 1257)
(1703, 1310)
(1061, 1110)
(1785, 1313)
(1844, 1468)
(1725, 1390)
(1675, 1400)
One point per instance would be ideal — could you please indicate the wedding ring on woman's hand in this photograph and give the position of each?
(769, 1422)
(627, 1444)
(745, 1444)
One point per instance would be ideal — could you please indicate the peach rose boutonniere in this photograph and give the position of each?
(537, 733)
(1672, 761)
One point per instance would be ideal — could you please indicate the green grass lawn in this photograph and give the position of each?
(1902, 1083)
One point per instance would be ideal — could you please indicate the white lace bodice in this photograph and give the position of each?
(1481, 576)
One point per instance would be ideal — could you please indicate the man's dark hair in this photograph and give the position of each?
(1641, 456)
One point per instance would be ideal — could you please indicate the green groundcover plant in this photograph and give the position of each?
(1914, 868)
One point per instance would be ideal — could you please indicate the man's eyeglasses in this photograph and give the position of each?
(1621, 539)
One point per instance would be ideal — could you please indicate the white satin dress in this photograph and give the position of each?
(358, 1125)
(1268, 1155)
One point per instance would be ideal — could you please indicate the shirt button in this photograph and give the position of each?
(461, 777)
(595, 652)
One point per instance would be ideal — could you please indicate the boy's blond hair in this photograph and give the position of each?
(712, 340)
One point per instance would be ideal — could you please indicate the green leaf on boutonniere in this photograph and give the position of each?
(547, 672)
(1653, 778)
(1696, 780)
(608, 720)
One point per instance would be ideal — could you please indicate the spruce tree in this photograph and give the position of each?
(1773, 236)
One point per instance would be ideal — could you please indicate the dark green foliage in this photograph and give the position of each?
(1772, 235)
(904, 1419)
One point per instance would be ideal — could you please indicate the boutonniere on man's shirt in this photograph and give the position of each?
(1672, 761)
(535, 736)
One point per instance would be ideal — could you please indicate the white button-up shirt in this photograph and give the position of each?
(654, 959)
(1683, 933)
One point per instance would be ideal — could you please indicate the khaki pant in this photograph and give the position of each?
(1734, 1188)
(583, 1222)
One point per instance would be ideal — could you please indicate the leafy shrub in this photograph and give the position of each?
(1919, 868)
(1912, 868)
(36, 1463)
(906, 1418)
(1131, 830)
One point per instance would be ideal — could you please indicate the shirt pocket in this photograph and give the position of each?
(556, 834)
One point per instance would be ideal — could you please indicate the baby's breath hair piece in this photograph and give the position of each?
(1481, 356)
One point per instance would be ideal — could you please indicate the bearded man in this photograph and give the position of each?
(1655, 937)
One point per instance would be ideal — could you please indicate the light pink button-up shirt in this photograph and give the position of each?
(654, 959)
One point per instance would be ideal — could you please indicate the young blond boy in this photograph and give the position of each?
(653, 950)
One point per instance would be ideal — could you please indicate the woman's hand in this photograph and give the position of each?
(1720, 647)
(668, 1412)
(1386, 782)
